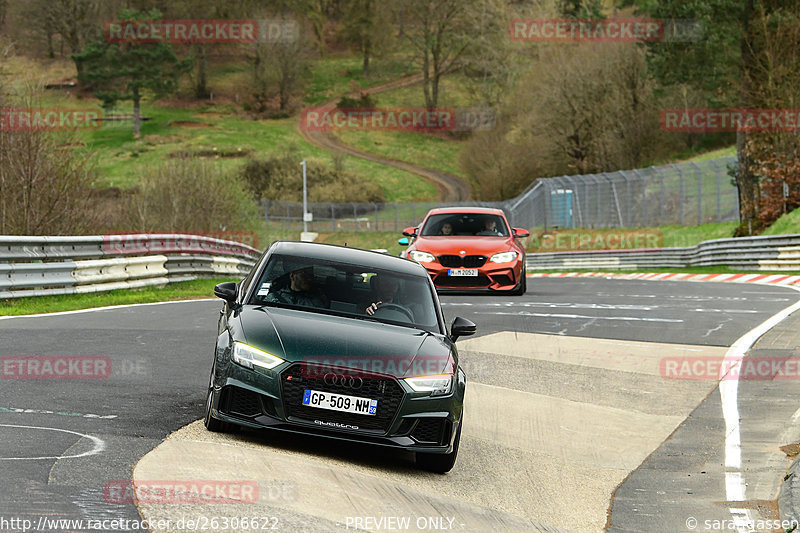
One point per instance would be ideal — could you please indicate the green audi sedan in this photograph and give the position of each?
(342, 343)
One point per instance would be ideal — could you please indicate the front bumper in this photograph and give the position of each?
(411, 421)
(492, 277)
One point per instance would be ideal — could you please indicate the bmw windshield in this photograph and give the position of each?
(465, 224)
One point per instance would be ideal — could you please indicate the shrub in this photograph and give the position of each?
(189, 194)
(280, 178)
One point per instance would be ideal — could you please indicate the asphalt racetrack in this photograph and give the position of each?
(576, 420)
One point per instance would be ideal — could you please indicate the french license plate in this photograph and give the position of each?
(340, 402)
(462, 272)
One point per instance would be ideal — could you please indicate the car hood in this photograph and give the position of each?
(471, 245)
(301, 336)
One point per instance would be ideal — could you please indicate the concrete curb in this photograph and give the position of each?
(789, 496)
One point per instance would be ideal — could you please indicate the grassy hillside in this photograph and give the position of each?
(788, 223)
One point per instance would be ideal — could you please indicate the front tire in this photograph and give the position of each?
(440, 463)
(523, 285)
(211, 423)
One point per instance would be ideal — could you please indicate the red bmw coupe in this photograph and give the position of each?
(469, 249)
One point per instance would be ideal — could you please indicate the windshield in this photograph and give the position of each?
(465, 224)
(356, 291)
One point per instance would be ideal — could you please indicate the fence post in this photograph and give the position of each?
(719, 190)
(643, 180)
(680, 193)
(663, 195)
(699, 192)
(333, 219)
(576, 201)
(396, 227)
(546, 201)
(627, 199)
(616, 198)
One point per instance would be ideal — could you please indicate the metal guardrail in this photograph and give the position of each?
(39, 266)
(773, 252)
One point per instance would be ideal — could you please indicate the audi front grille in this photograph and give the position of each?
(299, 377)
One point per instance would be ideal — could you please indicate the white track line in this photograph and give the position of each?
(99, 444)
(735, 486)
(106, 308)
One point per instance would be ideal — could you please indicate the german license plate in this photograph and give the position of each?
(340, 402)
(462, 272)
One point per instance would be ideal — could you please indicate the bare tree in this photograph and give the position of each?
(45, 183)
(280, 67)
(440, 33)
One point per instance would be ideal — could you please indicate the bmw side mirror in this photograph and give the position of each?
(403, 241)
(461, 328)
(519, 232)
(410, 232)
(226, 291)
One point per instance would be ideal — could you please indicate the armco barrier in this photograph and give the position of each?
(774, 252)
(38, 266)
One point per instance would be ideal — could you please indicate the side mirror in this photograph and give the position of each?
(410, 232)
(519, 232)
(403, 241)
(226, 291)
(461, 328)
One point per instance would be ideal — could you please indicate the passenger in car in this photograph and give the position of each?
(489, 228)
(446, 229)
(302, 290)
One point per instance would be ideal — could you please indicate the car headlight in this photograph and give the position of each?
(437, 385)
(421, 257)
(503, 257)
(247, 356)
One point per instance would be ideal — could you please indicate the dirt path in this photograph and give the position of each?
(451, 187)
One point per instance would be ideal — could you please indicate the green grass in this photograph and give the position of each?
(122, 160)
(184, 290)
(414, 147)
(432, 151)
(714, 154)
(788, 223)
(335, 76)
(626, 238)
(453, 92)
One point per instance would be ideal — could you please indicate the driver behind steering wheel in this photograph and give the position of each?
(385, 292)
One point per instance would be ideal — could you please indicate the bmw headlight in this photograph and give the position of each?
(247, 356)
(503, 257)
(437, 385)
(421, 257)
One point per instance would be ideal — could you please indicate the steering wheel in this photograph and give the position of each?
(395, 307)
